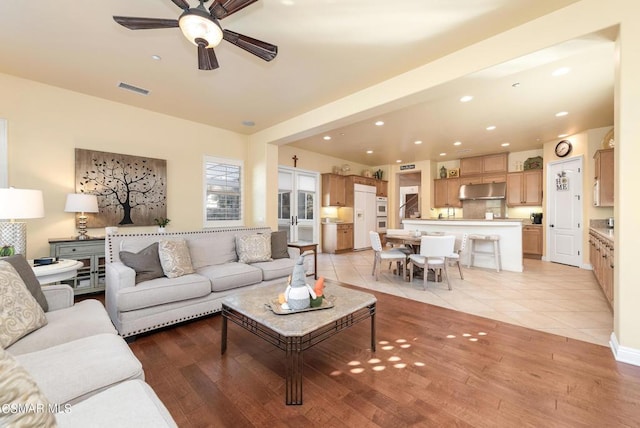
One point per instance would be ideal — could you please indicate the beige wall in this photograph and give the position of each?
(46, 124)
(316, 162)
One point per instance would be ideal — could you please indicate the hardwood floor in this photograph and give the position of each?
(433, 367)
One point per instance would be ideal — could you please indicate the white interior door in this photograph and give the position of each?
(564, 211)
(298, 192)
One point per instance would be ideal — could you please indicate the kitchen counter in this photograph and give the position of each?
(509, 230)
(603, 232)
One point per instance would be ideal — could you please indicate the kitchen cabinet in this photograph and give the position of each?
(601, 257)
(337, 237)
(532, 241)
(494, 178)
(603, 176)
(476, 179)
(446, 193)
(524, 188)
(334, 188)
(381, 188)
(488, 164)
(91, 276)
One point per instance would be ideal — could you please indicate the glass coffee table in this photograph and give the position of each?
(296, 332)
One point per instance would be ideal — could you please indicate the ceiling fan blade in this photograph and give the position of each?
(182, 4)
(145, 23)
(206, 58)
(223, 8)
(261, 49)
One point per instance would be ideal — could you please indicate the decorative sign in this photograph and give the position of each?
(562, 183)
(411, 166)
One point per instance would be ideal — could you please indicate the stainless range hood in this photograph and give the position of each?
(483, 191)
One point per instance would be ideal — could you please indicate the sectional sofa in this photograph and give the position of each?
(72, 368)
(141, 296)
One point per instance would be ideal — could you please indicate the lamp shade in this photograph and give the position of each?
(197, 24)
(21, 203)
(81, 203)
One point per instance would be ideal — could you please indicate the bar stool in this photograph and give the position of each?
(473, 239)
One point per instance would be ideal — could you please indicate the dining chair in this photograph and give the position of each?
(455, 256)
(434, 251)
(391, 255)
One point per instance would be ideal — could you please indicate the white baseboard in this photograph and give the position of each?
(623, 353)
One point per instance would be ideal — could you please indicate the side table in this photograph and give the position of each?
(304, 246)
(56, 272)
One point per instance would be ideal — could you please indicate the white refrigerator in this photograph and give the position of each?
(364, 215)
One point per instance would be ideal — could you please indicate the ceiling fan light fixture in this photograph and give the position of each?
(196, 24)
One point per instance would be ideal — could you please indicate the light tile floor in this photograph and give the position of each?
(547, 296)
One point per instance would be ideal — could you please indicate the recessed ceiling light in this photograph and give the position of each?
(562, 113)
(491, 127)
(399, 160)
(443, 154)
(156, 57)
(417, 142)
(379, 123)
(369, 152)
(504, 144)
(466, 99)
(457, 143)
(516, 84)
(326, 137)
(248, 123)
(561, 71)
(563, 135)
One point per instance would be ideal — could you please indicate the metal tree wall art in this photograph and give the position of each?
(131, 190)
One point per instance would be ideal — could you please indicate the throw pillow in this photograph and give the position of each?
(23, 404)
(279, 248)
(20, 314)
(175, 258)
(145, 262)
(253, 248)
(25, 271)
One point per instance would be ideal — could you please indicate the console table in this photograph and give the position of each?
(90, 253)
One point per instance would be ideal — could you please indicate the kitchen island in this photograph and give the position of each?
(509, 230)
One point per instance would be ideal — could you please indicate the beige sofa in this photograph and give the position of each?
(147, 305)
(81, 366)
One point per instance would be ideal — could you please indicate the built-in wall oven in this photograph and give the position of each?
(381, 214)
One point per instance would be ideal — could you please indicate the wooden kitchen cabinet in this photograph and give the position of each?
(494, 178)
(601, 257)
(446, 193)
(524, 188)
(382, 188)
(337, 237)
(476, 179)
(494, 163)
(532, 241)
(603, 175)
(488, 164)
(334, 190)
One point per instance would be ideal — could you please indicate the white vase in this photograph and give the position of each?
(161, 230)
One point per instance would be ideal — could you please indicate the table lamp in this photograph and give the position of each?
(81, 203)
(18, 204)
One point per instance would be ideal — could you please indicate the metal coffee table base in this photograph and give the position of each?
(294, 345)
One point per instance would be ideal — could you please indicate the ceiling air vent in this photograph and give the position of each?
(132, 88)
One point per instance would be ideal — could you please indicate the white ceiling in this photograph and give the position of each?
(328, 49)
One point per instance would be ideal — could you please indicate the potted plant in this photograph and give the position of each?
(162, 223)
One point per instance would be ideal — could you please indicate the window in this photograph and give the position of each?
(223, 192)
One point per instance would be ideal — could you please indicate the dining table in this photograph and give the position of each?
(411, 241)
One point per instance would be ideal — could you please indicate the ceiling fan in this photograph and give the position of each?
(201, 27)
